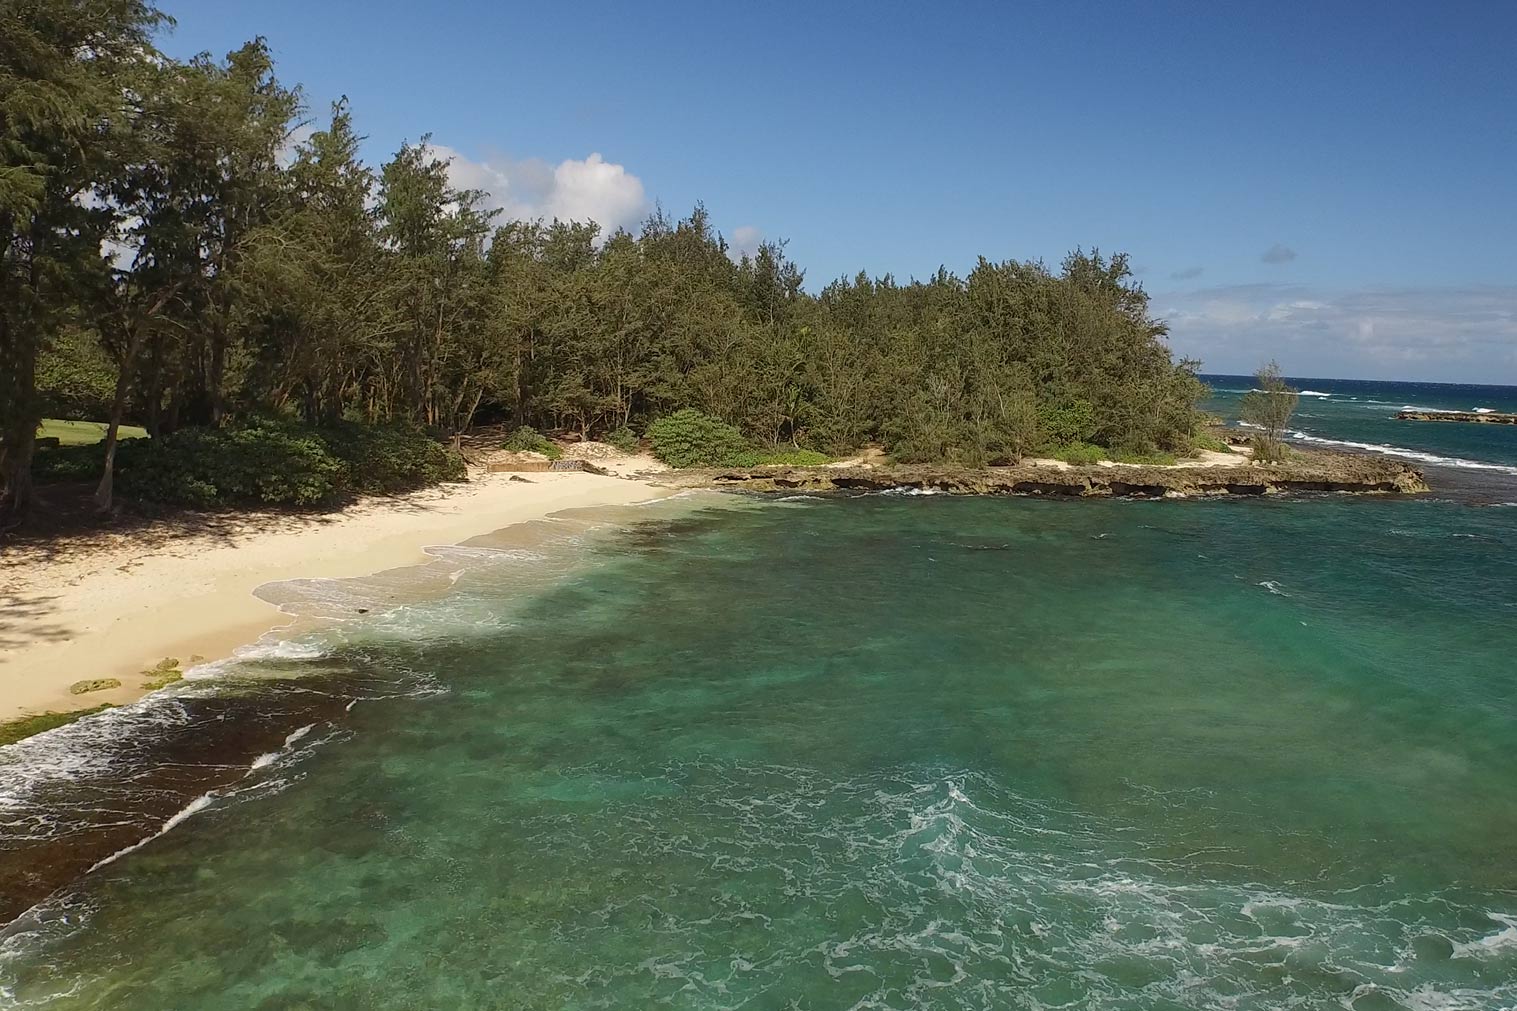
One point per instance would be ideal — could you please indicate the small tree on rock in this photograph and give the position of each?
(1268, 408)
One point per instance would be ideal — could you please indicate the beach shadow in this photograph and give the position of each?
(65, 526)
(24, 619)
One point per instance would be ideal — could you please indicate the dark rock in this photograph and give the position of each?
(1478, 417)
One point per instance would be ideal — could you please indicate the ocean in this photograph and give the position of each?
(1477, 462)
(884, 751)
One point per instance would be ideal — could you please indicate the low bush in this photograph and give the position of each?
(382, 459)
(1149, 458)
(264, 463)
(1268, 450)
(71, 463)
(261, 464)
(527, 439)
(1205, 440)
(1078, 453)
(689, 438)
(624, 439)
(778, 456)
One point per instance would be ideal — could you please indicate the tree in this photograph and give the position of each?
(1268, 408)
(164, 250)
(68, 76)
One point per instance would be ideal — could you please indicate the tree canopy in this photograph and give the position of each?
(169, 257)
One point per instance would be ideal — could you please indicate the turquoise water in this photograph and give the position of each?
(878, 752)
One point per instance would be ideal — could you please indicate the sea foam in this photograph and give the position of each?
(1401, 451)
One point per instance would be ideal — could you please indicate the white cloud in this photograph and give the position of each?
(1453, 334)
(744, 241)
(589, 189)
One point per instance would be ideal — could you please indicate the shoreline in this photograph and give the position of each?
(1308, 472)
(116, 611)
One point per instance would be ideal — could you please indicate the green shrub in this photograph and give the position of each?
(688, 438)
(624, 439)
(1150, 458)
(1070, 423)
(778, 456)
(1208, 441)
(263, 463)
(71, 463)
(527, 439)
(1079, 453)
(382, 459)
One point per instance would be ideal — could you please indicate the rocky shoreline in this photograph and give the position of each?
(1304, 472)
(1478, 417)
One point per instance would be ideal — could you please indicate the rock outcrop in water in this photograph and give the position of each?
(1303, 472)
(1480, 417)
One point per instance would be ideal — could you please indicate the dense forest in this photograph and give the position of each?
(170, 258)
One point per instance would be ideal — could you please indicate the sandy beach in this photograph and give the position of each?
(115, 610)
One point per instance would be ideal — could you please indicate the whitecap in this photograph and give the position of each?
(263, 649)
(195, 806)
(1502, 940)
(291, 739)
(1410, 454)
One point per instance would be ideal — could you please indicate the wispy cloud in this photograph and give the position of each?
(588, 189)
(744, 241)
(1278, 253)
(1464, 334)
(1188, 274)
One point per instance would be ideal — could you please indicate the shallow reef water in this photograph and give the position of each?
(872, 752)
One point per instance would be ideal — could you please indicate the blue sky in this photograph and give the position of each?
(1334, 185)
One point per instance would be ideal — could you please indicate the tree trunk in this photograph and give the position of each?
(19, 438)
(19, 414)
(118, 402)
(118, 408)
(217, 373)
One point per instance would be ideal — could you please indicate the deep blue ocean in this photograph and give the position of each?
(1360, 415)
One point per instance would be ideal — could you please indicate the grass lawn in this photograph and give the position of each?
(81, 433)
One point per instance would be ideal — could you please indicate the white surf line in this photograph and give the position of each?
(204, 801)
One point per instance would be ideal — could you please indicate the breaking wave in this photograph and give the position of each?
(951, 891)
(1401, 451)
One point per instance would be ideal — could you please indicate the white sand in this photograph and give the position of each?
(115, 611)
(1235, 457)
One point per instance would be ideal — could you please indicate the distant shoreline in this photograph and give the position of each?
(1305, 471)
(1467, 417)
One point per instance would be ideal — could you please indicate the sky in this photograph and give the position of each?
(1333, 185)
